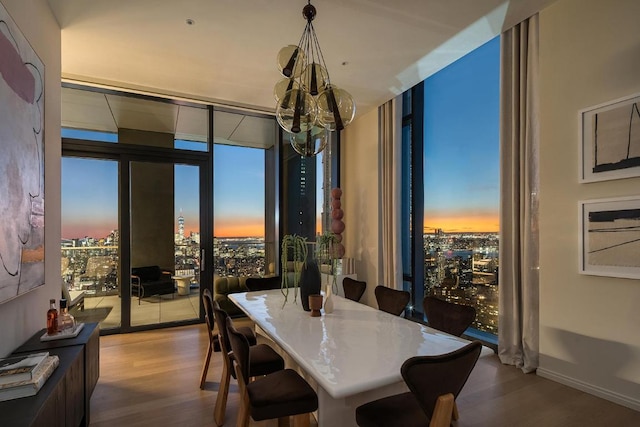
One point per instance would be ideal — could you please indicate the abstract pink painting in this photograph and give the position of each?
(21, 163)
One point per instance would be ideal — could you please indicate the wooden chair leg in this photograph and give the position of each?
(244, 412)
(443, 411)
(221, 398)
(455, 411)
(205, 367)
(244, 415)
(302, 420)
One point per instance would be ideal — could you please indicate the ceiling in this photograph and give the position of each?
(108, 112)
(375, 49)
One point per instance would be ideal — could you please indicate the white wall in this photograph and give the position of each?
(589, 326)
(360, 199)
(23, 316)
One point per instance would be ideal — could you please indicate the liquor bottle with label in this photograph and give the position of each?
(52, 318)
(66, 322)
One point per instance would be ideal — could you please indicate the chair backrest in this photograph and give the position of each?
(220, 316)
(353, 289)
(392, 301)
(448, 317)
(207, 302)
(429, 377)
(240, 348)
(263, 283)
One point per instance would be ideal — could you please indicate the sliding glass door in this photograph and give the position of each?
(90, 243)
(164, 212)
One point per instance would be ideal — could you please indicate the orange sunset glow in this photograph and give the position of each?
(480, 223)
(239, 227)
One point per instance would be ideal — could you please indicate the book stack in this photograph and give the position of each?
(22, 376)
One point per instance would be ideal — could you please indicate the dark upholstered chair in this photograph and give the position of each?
(214, 339)
(263, 360)
(434, 383)
(353, 289)
(225, 286)
(278, 395)
(392, 301)
(263, 283)
(448, 317)
(151, 280)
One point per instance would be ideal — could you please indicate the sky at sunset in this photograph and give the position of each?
(461, 150)
(90, 195)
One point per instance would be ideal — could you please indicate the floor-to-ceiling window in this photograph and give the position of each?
(459, 186)
(239, 211)
(135, 178)
(90, 240)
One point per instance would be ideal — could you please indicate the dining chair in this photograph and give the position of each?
(263, 283)
(353, 289)
(392, 301)
(434, 382)
(448, 317)
(214, 339)
(280, 394)
(263, 360)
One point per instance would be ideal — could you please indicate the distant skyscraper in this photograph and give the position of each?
(181, 225)
(300, 194)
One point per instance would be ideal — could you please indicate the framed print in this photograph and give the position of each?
(610, 140)
(21, 163)
(610, 237)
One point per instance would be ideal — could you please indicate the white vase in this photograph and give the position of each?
(328, 301)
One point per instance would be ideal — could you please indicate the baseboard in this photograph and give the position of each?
(609, 395)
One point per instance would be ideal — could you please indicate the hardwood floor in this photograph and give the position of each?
(151, 379)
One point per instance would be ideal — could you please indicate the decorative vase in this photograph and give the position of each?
(310, 280)
(328, 301)
(315, 304)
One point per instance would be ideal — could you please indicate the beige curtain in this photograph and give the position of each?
(518, 274)
(390, 257)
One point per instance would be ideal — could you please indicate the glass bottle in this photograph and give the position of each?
(52, 318)
(66, 322)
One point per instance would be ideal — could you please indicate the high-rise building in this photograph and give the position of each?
(181, 225)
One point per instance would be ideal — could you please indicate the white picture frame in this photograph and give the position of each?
(610, 140)
(610, 237)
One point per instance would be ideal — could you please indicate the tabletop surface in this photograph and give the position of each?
(354, 349)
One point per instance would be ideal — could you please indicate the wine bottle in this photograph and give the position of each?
(52, 318)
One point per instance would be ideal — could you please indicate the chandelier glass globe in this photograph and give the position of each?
(283, 86)
(315, 78)
(311, 142)
(336, 108)
(291, 61)
(296, 111)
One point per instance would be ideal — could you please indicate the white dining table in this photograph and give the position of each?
(350, 356)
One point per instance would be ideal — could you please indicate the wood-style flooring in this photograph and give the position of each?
(152, 378)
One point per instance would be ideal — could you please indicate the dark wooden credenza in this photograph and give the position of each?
(64, 400)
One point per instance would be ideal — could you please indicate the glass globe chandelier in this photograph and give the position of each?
(308, 104)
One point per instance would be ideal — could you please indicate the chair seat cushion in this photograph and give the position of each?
(281, 394)
(400, 410)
